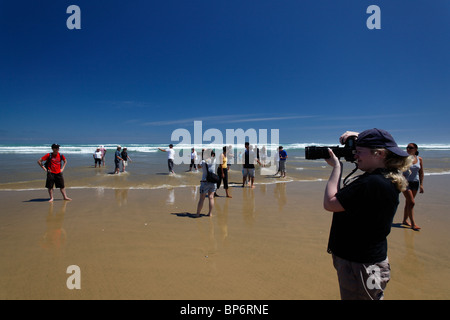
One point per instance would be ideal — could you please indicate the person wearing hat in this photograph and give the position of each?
(54, 166)
(98, 157)
(363, 211)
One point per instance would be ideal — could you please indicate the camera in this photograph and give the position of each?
(347, 152)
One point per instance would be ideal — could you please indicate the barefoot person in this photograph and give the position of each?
(415, 183)
(54, 166)
(207, 188)
(170, 157)
(222, 172)
(248, 167)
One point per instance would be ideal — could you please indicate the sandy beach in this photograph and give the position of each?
(265, 243)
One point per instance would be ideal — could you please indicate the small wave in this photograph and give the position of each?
(436, 173)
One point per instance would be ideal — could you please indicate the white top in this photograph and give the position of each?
(98, 155)
(170, 154)
(211, 167)
(194, 155)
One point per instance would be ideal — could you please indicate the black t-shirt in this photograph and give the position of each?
(359, 233)
(249, 158)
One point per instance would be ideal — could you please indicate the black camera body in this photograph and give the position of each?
(347, 152)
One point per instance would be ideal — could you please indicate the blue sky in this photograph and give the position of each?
(138, 70)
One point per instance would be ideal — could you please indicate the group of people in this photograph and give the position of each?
(208, 163)
(99, 156)
(120, 157)
(363, 209)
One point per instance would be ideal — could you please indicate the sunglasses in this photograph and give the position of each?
(409, 148)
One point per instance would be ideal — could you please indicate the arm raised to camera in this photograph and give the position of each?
(330, 202)
(347, 134)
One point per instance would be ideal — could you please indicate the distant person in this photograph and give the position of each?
(248, 171)
(54, 166)
(283, 156)
(98, 158)
(207, 188)
(193, 160)
(222, 172)
(415, 183)
(103, 151)
(170, 157)
(117, 160)
(230, 157)
(363, 211)
(263, 155)
(125, 158)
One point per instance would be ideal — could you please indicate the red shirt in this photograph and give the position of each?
(55, 162)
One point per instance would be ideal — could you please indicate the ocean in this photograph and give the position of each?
(148, 169)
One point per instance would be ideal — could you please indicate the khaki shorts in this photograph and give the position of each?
(248, 172)
(362, 281)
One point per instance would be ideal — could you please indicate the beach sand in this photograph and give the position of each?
(265, 243)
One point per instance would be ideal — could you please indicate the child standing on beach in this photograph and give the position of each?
(54, 166)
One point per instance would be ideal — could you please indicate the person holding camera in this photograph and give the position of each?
(363, 211)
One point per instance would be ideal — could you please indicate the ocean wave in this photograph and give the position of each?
(150, 148)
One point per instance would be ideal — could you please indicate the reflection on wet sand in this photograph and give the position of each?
(55, 235)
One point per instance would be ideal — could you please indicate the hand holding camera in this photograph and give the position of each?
(347, 152)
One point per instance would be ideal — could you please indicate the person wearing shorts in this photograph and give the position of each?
(415, 176)
(363, 211)
(54, 166)
(207, 188)
(98, 158)
(248, 168)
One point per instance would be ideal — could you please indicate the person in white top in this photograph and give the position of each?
(193, 160)
(170, 157)
(98, 156)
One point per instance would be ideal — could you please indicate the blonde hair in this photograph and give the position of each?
(395, 166)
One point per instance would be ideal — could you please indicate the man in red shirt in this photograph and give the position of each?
(54, 166)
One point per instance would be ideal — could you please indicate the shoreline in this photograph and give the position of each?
(267, 243)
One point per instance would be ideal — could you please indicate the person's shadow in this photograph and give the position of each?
(400, 226)
(39, 200)
(188, 215)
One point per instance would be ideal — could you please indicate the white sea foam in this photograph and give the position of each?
(146, 148)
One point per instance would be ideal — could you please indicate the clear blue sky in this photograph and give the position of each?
(137, 70)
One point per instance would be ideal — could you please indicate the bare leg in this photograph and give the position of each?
(200, 204)
(408, 212)
(50, 193)
(63, 192)
(211, 202)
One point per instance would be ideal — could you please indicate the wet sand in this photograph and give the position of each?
(265, 243)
